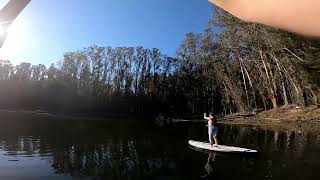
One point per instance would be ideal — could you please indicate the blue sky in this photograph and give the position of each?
(48, 28)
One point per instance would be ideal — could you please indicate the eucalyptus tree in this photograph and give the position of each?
(6, 69)
(155, 57)
(39, 72)
(23, 72)
(271, 55)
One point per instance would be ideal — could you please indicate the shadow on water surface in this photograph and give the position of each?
(136, 150)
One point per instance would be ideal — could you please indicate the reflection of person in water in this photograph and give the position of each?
(209, 167)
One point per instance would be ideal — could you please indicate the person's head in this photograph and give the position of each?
(211, 114)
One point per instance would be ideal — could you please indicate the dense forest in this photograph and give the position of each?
(233, 66)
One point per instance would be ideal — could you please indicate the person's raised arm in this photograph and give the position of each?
(205, 117)
(300, 16)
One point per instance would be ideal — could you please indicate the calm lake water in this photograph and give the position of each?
(44, 148)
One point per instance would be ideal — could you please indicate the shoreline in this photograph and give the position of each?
(280, 126)
(308, 119)
(75, 117)
(284, 120)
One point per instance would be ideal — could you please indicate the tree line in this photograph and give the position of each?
(242, 67)
(233, 66)
(122, 79)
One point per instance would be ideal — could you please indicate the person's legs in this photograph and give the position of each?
(215, 134)
(210, 139)
(215, 140)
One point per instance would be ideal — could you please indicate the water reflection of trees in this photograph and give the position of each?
(106, 157)
(114, 159)
(113, 153)
(274, 140)
(282, 153)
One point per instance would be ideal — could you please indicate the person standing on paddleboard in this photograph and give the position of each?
(212, 128)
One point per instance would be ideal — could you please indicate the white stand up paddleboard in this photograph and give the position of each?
(220, 148)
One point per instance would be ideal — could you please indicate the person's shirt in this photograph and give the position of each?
(212, 122)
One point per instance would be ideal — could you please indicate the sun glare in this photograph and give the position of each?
(16, 39)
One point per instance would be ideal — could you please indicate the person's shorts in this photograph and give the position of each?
(213, 131)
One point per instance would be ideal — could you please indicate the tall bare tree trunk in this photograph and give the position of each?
(274, 87)
(271, 87)
(245, 84)
(315, 98)
(284, 92)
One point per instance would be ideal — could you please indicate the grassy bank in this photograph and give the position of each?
(285, 120)
(311, 114)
